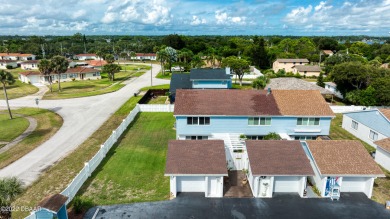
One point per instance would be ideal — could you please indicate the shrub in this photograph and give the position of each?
(272, 136)
(80, 204)
(73, 79)
(9, 67)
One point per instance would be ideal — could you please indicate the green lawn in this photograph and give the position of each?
(158, 100)
(18, 89)
(243, 87)
(48, 124)
(57, 177)
(134, 170)
(164, 86)
(11, 128)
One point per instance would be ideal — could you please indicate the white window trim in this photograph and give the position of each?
(259, 121)
(198, 121)
(369, 135)
(357, 125)
(319, 122)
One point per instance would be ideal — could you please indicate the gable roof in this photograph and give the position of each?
(96, 63)
(293, 60)
(303, 68)
(209, 74)
(196, 157)
(386, 113)
(179, 81)
(16, 54)
(53, 202)
(250, 103)
(343, 157)
(302, 102)
(374, 119)
(287, 83)
(27, 73)
(8, 61)
(278, 158)
(30, 62)
(384, 144)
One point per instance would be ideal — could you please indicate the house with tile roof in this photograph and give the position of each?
(77, 73)
(17, 56)
(307, 70)
(5, 63)
(368, 125)
(288, 64)
(201, 78)
(29, 65)
(382, 154)
(86, 56)
(344, 164)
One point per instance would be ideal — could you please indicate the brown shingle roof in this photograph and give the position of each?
(224, 102)
(27, 73)
(312, 68)
(196, 157)
(343, 157)
(278, 158)
(30, 62)
(287, 83)
(386, 113)
(384, 143)
(53, 202)
(301, 103)
(81, 70)
(293, 60)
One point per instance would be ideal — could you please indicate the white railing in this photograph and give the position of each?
(156, 107)
(344, 109)
(91, 165)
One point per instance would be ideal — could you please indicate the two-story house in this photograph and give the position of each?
(288, 64)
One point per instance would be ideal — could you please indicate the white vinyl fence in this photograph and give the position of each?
(344, 109)
(91, 165)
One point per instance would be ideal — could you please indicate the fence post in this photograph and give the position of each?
(114, 135)
(86, 166)
(103, 150)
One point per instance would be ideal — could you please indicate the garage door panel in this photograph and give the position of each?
(353, 184)
(190, 184)
(286, 184)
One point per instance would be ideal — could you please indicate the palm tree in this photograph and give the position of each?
(6, 78)
(162, 57)
(132, 54)
(100, 53)
(45, 67)
(10, 188)
(60, 65)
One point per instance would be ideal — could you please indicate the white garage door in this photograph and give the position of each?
(286, 184)
(190, 184)
(353, 184)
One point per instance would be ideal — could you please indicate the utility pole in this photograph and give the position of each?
(151, 75)
(319, 64)
(43, 51)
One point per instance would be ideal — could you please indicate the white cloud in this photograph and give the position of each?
(197, 20)
(223, 18)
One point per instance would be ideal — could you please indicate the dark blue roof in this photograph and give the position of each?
(372, 119)
(180, 81)
(209, 74)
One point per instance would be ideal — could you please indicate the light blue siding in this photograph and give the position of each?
(222, 124)
(372, 119)
(210, 84)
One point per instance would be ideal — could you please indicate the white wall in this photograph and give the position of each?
(214, 186)
(382, 157)
(173, 186)
(302, 185)
(317, 180)
(363, 132)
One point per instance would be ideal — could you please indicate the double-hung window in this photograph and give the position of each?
(354, 125)
(259, 121)
(308, 121)
(198, 120)
(373, 135)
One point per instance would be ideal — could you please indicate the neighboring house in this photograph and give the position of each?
(382, 154)
(332, 87)
(196, 166)
(287, 64)
(328, 52)
(17, 56)
(201, 78)
(4, 63)
(368, 125)
(144, 56)
(29, 65)
(88, 56)
(307, 70)
(77, 73)
(277, 167)
(30, 77)
(96, 63)
(285, 83)
(344, 164)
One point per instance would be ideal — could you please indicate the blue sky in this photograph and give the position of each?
(195, 17)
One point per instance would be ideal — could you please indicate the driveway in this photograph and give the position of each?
(82, 117)
(351, 205)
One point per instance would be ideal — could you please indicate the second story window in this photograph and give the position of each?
(308, 121)
(198, 120)
(355, 125)
(259, 121)
(373, 135)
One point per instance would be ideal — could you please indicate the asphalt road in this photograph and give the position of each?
(281, 206)
(82, 117)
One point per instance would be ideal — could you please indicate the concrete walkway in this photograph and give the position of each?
(283, 206)
(82, 117)
(28, 131)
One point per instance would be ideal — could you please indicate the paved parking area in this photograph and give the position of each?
(194, 205)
